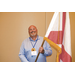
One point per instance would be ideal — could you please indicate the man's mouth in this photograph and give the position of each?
(32, 32)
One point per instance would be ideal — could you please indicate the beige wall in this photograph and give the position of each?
(72, 22)
(14, 29)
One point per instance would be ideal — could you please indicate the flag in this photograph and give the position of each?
(58, 36)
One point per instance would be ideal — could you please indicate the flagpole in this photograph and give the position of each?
(39, 52)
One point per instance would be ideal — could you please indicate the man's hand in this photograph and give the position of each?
(41, 50)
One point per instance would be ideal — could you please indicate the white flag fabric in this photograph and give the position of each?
(59, 33)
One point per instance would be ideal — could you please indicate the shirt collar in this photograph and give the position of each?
(36, 38)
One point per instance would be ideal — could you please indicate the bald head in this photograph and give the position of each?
(32, 26)
(32, 31)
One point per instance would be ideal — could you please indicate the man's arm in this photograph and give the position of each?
(22, 53)
(46, 49)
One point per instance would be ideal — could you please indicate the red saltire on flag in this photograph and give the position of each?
(59, 36)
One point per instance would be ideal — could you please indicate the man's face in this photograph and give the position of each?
(32, 31)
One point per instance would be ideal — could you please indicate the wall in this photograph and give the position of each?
(72, 22)
(14, 29)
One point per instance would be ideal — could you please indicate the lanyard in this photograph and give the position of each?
(34, 43)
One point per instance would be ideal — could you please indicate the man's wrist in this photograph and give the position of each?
(43, 51)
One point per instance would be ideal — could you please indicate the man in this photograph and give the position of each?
(31, 46)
